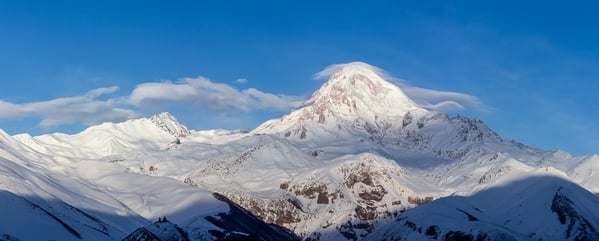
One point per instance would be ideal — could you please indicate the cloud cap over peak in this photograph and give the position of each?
(430, 99)
(329, 70)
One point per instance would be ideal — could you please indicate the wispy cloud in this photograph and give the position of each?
(85, 109)
(203, 93)
(241, 81)
(444, 100)
(90, 108)
(103, 104)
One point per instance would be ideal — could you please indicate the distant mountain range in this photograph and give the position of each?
(358, 160)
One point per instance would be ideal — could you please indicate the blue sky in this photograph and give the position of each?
(531, 67)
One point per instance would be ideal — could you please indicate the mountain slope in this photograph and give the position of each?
(158, 132)
(558, 210)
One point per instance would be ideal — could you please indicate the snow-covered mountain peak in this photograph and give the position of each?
(358, 88)
(357, 96)
(169, 123)
(158, 132)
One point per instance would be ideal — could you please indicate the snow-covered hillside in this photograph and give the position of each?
(535, 207)
(358, 160)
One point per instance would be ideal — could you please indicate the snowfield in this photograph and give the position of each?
(358, 160)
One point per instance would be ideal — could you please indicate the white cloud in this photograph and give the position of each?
(101, 91)
(158, 93)
(329, 70)
(10, 111)
(241, 80)
(203, 93)
(85, 109)
(443, 100)
(271, 101)
(90, 108)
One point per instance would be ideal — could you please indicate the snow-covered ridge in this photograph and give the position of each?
(157, 132)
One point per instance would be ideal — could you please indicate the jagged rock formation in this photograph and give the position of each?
(239, 224)
(167, 122)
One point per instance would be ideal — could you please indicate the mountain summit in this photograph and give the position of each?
(359, 89)
(167, 122)
(356, 94)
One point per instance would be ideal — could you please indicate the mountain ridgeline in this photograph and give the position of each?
(359, 160)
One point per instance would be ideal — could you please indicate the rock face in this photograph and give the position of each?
(240, 224)
(169, 123)
(344, 199)
(579, 228)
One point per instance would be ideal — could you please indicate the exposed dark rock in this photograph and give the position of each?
(162, 230)
(458, 236)
(418, 200)
(410, 225)
(578, 226)
(375, 194)
(311, 191)
(280, 212)
(240, 225)
(365, 213)
(347, 230)
(322, 198)
(363, 177)
(407, 119)
(433, 231)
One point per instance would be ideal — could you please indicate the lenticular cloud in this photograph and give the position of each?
(426, 98)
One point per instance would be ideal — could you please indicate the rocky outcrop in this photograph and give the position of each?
(162, 230)
(239, 224)
(578, 227)
(169, 123)
(280, 212)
